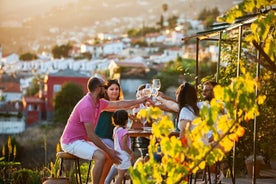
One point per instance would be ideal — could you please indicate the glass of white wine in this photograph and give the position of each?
(147, 90)
(154, 94)
(156, 85)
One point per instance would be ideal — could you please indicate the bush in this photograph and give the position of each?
(6, 170)
(26, 176)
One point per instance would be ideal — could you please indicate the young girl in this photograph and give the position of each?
(122, 143)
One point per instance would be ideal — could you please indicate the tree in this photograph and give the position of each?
(263, 33)
(65, 100)
(165, 8)
(183, 69)
(172, 21)
(248, 63)
(141, 32)
(183, 157)
(28, 57)
(84, 55)
(261, 36)
(61, 51)
(208, 16)
(34, 86)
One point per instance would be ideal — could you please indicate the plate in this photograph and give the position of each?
(147, 129)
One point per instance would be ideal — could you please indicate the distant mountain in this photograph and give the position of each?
(40, 24)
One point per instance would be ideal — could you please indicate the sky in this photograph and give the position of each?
(26, 8)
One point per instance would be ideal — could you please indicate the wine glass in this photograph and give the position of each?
(147, 90)
(156, 83)
(154, 93)
(139, 94)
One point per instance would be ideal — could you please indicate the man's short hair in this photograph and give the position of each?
(93, 83)
(212, 83)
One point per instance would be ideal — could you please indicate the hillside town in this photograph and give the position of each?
(212, 77)
(110, 53)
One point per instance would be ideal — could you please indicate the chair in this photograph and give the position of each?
(127, 177)
(67, 156)
(204, 176)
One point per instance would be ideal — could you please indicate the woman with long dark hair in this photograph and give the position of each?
(186, 98)
(185, 106)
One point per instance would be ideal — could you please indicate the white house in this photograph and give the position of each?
(161, 58)
(174, 52)
(131, 52)
(10, 91)
(113, 48)
(87, 48)
(173, 38)
(25, 83)
(107, 36)
(10, 58)
(131, 63)
(151, 38)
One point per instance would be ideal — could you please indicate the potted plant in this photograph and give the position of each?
(54, 174)
(249, 165)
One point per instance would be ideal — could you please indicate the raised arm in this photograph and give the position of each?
(124, 104)
(167, 105)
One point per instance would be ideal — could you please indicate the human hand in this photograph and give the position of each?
(161, 94)
(150, 102)
(114, 155)
(132, 156)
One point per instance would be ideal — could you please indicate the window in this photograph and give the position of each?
(57, 88)
(30, 108)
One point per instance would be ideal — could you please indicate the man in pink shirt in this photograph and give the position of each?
(79, 138)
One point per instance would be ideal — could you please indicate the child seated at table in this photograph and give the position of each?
(122, 143)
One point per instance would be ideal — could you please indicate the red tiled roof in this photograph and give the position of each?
(174, 48)
(10, 87)
(31, 99)
(152, 35)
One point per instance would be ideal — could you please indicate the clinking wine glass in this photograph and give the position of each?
(147, 90)
(154, 93)
(156, 85)
(139, 94)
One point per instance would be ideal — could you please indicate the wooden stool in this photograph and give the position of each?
(67, 156)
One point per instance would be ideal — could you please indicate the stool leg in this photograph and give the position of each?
(195, 177)
(190, 178)
(216, 171)
(209, 174)
(88, 172)
(60, 167)
(78, 173)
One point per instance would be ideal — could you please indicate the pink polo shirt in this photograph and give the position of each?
(84, 112)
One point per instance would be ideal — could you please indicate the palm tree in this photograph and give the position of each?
(164, 10)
